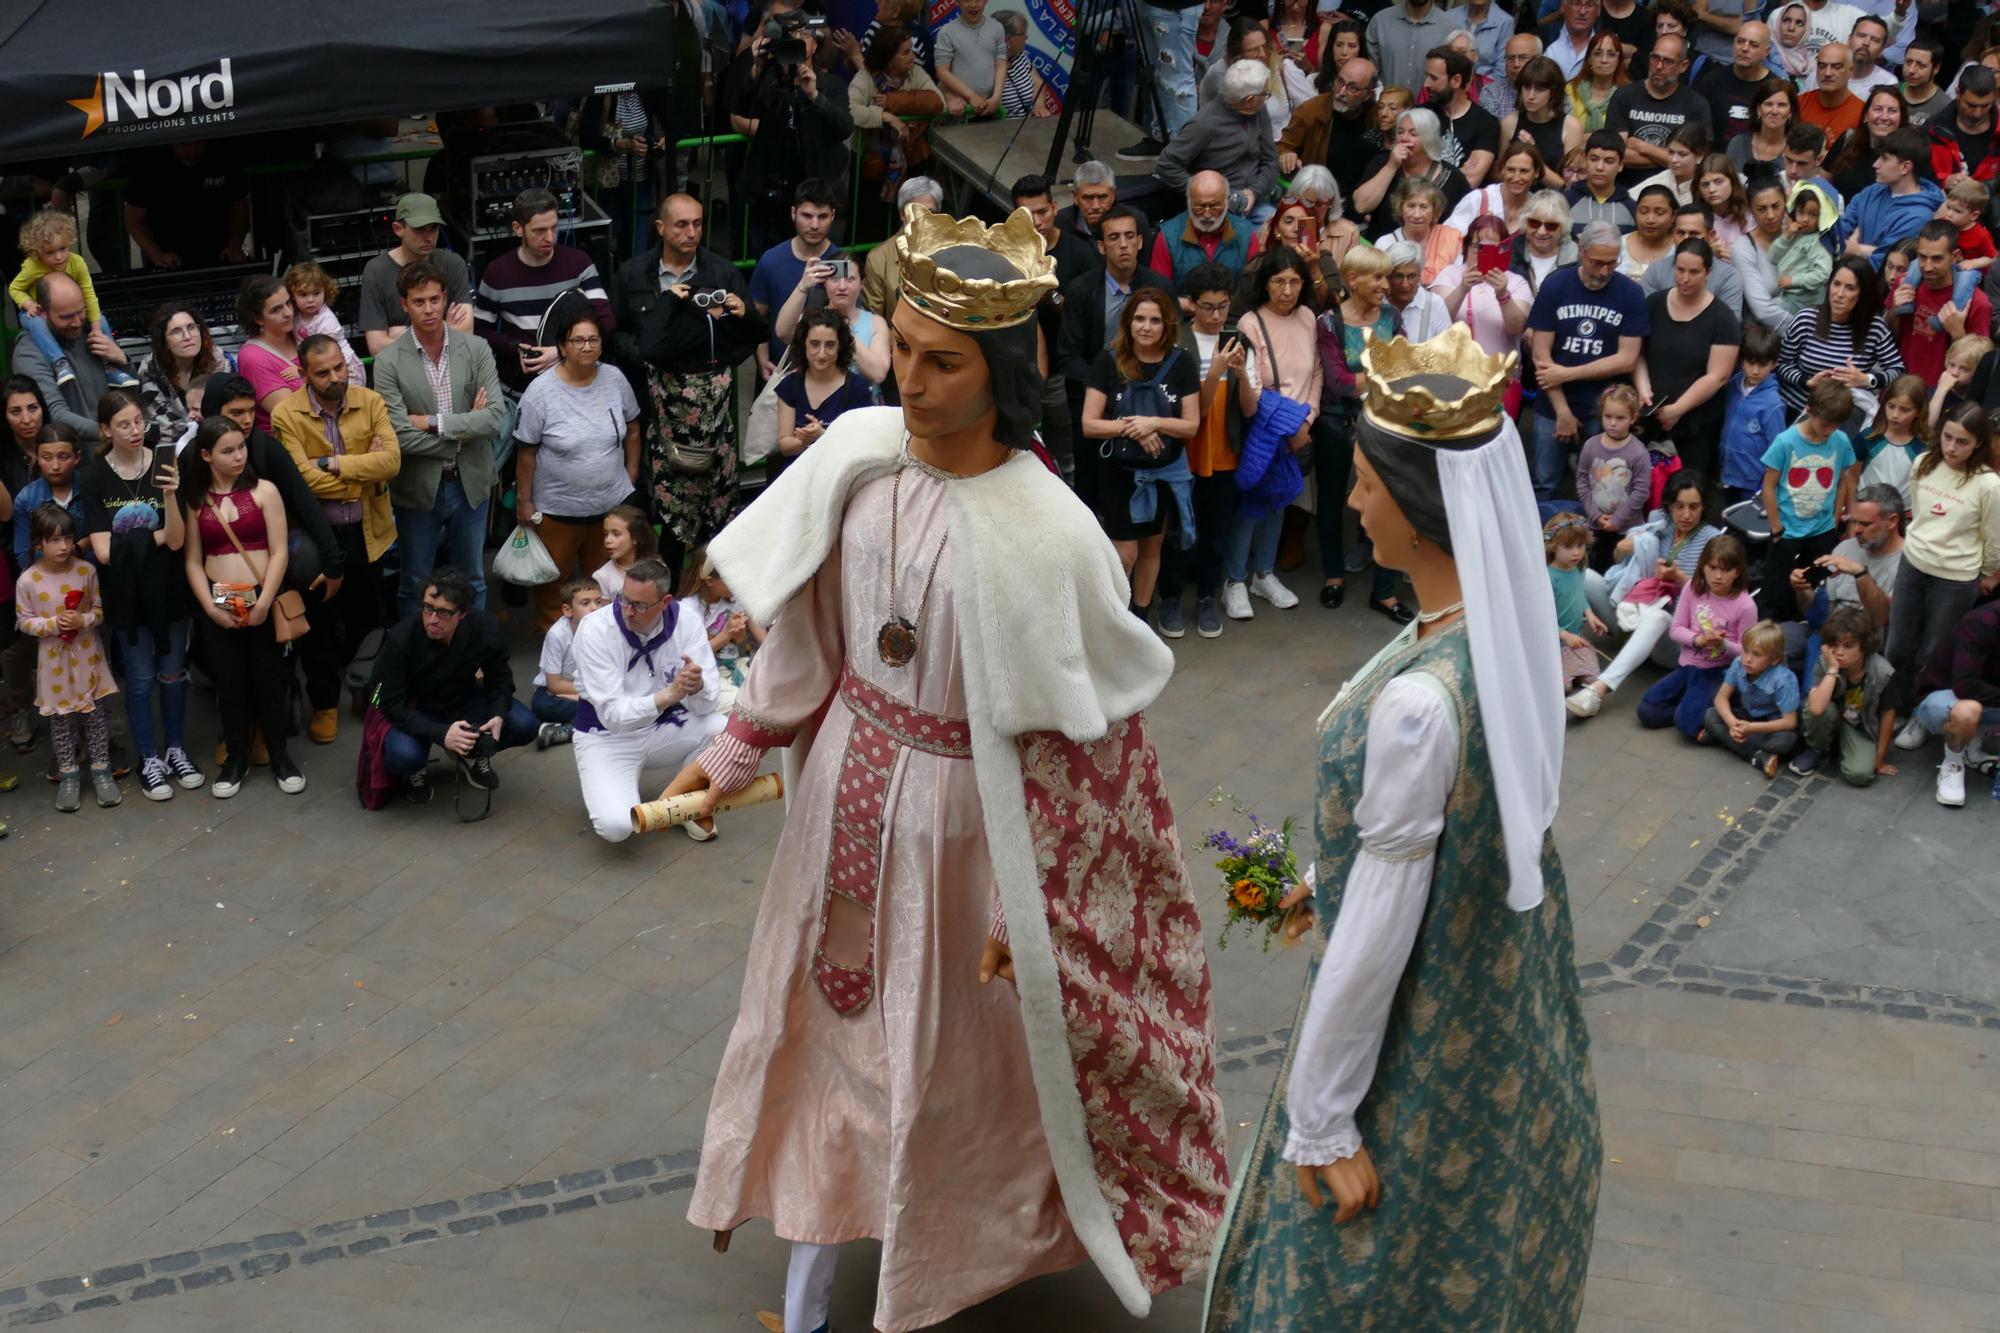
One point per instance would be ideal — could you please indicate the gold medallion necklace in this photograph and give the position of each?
(896, 641)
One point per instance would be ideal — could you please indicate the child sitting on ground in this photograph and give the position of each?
(1964, 204)
(313, 291)
(1809, 476)
(1843, 713)
(1802, 262)
(1898, 438)
(628, 539)
(1961, 359)
(732, 635)
(1655, 561)
(1753, 415)
(48, 239)
(1566, 541)
(1709, 620)
(554, 700)
(1756, 712)
(1614, 475)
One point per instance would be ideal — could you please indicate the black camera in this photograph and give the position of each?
(710, 300)
(1815, 574)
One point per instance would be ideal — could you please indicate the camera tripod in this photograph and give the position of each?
(1101, 25)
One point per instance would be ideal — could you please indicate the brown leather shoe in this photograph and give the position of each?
(325, 725)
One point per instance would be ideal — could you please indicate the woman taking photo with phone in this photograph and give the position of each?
(840, 278)
(133, 522)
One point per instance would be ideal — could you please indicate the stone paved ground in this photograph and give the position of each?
(276, 1063)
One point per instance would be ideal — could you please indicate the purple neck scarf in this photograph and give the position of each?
(642, 649)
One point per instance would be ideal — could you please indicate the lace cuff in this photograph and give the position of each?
(1341, 1140)
(730, 762)
(755, 729)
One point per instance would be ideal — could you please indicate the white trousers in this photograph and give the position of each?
(608, 765)
(809, 1286)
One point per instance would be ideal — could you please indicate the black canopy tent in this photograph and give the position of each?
(81, 77)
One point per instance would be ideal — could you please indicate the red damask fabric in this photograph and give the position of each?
(1134, 974)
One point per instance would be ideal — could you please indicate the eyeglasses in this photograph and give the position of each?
(432, 611)
(1349, 86)
(1538, 224)
(1658, 59)
(631, 605)
(584, 342)
(1212, 307)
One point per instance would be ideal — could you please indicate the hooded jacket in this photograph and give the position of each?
(1948, 159)
(1882, 218)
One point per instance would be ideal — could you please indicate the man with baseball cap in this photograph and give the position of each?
(416, 226)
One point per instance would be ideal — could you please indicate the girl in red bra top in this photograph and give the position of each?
(234, 589)
(248, 524)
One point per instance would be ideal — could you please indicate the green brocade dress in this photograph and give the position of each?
(1482, 1115)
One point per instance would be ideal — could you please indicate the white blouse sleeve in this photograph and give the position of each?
(1411, 766)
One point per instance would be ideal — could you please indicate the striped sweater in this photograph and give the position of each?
(1803, 354)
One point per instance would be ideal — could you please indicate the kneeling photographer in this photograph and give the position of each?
(796, 127)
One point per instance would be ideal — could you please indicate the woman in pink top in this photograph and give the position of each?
(270, 357)
(1709, 621)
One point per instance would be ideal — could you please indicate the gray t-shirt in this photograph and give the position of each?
(578, 435)
(1841, 588)
(382, 305)
(970, 53)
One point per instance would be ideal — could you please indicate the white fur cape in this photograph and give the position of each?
(1048, 644)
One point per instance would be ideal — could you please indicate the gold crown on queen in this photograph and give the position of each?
(1416, 410)
(973, 304)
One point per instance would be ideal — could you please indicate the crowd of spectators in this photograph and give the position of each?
(1738, 253)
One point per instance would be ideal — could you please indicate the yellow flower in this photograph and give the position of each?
(1245, 893)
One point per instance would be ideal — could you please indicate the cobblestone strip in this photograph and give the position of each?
(271, 1254)
(1652, 957)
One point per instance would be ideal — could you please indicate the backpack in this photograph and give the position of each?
(1144, 398)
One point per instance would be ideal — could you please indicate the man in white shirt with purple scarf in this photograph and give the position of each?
(648, 696)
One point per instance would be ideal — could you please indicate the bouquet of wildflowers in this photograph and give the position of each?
(1256, 874)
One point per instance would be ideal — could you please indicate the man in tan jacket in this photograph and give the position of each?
(339, 436)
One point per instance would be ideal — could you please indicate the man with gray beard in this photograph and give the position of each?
(1337, 128)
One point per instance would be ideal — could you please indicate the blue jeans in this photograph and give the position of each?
(1252, 547)
(1548, 457)
(403, 754)
(1681, 698)
(461, 525)
(1936, 707)
(150, 668)
(552, 707)
(37, 329)
(1166, 39)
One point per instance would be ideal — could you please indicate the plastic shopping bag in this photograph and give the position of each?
(524, 560)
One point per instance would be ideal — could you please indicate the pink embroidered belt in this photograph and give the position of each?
(882, 727)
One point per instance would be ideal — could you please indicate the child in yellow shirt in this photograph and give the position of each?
(48, 239)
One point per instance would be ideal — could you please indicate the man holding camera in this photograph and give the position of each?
(685, 322)
(519, 288)
(782, 268)
(796, 129)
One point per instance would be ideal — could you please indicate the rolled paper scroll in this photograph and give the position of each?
(669, 811)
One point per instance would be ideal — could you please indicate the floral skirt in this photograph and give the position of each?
(699, 411)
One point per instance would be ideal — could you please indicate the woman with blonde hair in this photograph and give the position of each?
(1343, 333)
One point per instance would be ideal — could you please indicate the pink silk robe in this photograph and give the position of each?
(915, 1120)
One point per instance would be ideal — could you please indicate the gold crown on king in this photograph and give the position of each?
(1418, 412)
(973, 304)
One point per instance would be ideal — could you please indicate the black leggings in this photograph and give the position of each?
(250, 673)
(1333, 462)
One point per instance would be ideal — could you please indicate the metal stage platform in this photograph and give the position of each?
(987, 157)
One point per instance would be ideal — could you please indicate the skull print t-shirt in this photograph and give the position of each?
(1808, 479)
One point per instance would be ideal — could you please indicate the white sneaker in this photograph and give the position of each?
(1911, 736)
(1979, 757)
(1584, 703)
(1951, 778)
(1277, 594)
(1236, 601)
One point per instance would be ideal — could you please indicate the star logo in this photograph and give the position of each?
(92, 108)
